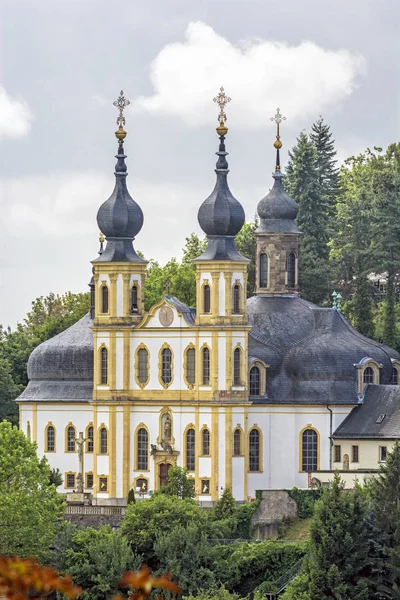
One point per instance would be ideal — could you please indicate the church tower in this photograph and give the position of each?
(277, 251)
(118, 278)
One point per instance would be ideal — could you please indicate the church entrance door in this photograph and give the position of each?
(163, 473)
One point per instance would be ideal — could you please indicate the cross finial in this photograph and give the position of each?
(121, 103)
(278, 118)
(222, 100)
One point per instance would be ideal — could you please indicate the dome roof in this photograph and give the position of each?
(311, 351)
(67, 356)
(277, 210)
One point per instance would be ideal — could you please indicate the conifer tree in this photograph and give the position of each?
(303, 184)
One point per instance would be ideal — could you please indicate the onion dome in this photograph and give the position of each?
(277, 210)
(221, 216)
(120, 218)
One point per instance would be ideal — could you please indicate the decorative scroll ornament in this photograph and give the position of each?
(121, 103)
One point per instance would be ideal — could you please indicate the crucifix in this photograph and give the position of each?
(121, 103)
(79, 441)
(278, 118)
(222, 100)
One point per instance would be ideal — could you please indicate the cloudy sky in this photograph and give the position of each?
(63, 63)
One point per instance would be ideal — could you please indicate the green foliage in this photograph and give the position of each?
(213, 593)
(305, 500)
(30, 509)
(131, 496)
(179, 484)
(225, 506)
(96, 561)
(9, 390)
(246, 244)
(56, 477)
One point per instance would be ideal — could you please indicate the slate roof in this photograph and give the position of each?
(362, 423)
(188, 313)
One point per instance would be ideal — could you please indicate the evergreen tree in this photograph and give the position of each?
(225, 506)
(303, 184)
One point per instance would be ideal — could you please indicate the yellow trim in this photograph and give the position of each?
(204, 428)
(127, 361)
(229, 366)
(126, 450)
(214, 361)
(95, 451)
(69, 487)
(46, 448)
(86, 481)
(215, 277)
(34, 422)
(70, 424)
(142, 346)
(190, 346)
(214, 453)
(125, 294)
(360, 373)
(309, 426)
(151, 313)
(136, 283)
(241, 297)
(246, 453)
(238, 427)
(228, 298)
(162, 383)
(228, 447)
(262, 366)
(202, 303)
(201, 361)
(113, 294)
(87, 438)
(241, 366)
(135, 448)
(261, 448)
(99, 369)
(102, 285)
(103, 426)
(113, 451)
(184, 453)
(136, 479)
(197, 445)
(112, 361)
(165, 411)
(98, 484)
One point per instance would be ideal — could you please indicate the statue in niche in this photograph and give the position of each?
(166, 427)
(346, 461)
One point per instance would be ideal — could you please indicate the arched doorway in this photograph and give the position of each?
(163, 473)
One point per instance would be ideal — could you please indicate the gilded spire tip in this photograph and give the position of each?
(278, 118)
(222, 100)
(121, 103)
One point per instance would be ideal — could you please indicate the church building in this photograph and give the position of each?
(244, 393)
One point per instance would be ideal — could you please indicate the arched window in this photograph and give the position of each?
(90, 439)
(368, 375)
(207, 299)
(236, 299)
(103, 440)
(104, 299)
(134, 299)
(71, 438)
(254, 450)
(263, 270)
(291, 270)
(395, 376)
(142, 485)
(309, 446)
(190, 450)
(142, 449)
(166, 366)
(255, 387)
(206, 366)
(236, 366)
(51, 438)
(143, 365)
(104, 366)
(205, 442)
(237, 442)
(191, 365)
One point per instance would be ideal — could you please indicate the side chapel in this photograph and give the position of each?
(244, 393)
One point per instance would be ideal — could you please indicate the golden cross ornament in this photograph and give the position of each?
(278, 118)
(222, 100)
(121, 103)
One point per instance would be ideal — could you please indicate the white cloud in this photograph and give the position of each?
(15, 116)
(258, 74)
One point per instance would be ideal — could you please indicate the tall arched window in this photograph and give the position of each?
(205, 442)
(309, 446)
(51, 439)
(103, 440)
(143, 365)
(104, 299)
(71, 438)
(134, 299)
(236, 299)
(207, 298)
(190, 449)
(236, 366)
(104, 366)
(263, 270)
(90, 439)
(142, 449)
(255, 387)
(291, 270)
(237, 442)
(206, 366)
(395, 376)
(368, 375)
(254, 450)
(166, 366)
(191, 365)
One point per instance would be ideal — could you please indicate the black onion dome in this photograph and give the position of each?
(66, 356)
(277, 210)
(221, 214)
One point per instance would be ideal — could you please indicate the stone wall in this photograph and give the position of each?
(275, 507)
(277, 246)
(95, 516)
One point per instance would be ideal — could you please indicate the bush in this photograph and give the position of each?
(305, 500)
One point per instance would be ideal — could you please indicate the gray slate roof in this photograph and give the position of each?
(361, 423)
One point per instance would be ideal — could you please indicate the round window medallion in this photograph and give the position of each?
(166, 316)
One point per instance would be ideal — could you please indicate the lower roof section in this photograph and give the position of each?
(50, 391)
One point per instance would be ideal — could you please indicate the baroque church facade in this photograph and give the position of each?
(245, 394)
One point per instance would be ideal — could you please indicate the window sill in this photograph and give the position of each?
(239, 456)
(254, 472)
(50, 451)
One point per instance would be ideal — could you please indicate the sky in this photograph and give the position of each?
(64, 62)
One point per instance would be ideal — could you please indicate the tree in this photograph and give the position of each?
(303, 184)
(339, 562)
(97, 560)
(194, 246)
(30, 508)
(9, 390)
(179, 484)
(246, 244)
(225, 507)
(131, 496)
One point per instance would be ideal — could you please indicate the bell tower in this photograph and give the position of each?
(277, 236)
